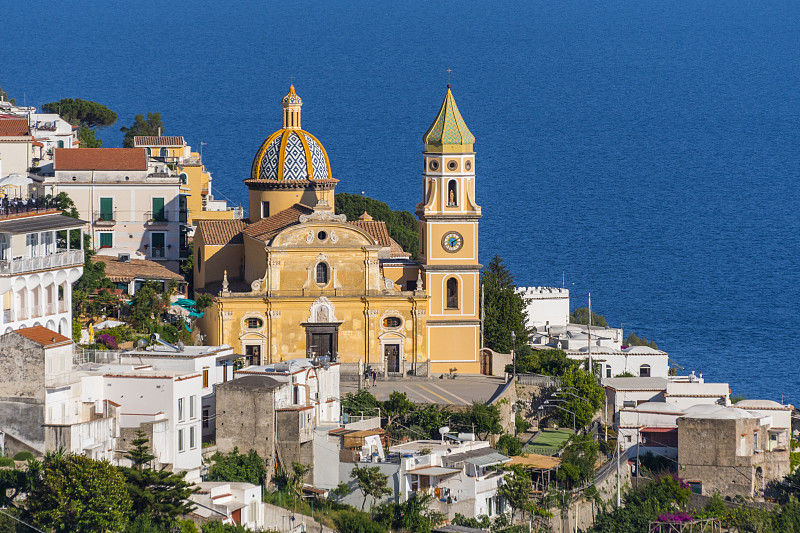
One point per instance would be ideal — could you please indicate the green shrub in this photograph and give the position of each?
(7, 461)
(23, 456)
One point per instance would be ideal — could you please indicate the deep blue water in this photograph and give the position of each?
(648, 150)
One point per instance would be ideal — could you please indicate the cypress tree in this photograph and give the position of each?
(505, 310)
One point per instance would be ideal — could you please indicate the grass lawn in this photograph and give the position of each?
(548, 441)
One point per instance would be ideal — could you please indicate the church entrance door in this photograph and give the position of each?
(391, 353)
(321, 344)
(253, 354)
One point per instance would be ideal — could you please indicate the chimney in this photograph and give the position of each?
(159, 132)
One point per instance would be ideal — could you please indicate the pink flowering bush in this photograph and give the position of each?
(108, 340)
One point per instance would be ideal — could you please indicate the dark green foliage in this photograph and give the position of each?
(77, 111)
(76, 494)
(219, 527)
(509, 445)
(402, 226)
(7, 461)
(549, 362)
(516, 489)
(187, 269)
(485, 419)
(158, 493)
(371, 482)
(147, 306)
(233, 466)
(505, 311)
(361, 401)
(521, 424)
(656, 464)
(4, 97)
(355, 522)
(577, 460)
(142, 127)
(203, 302)
(23, 456)
(413, 515)
(87, 138)
(634, 340)
(666, 494)
(581, 316)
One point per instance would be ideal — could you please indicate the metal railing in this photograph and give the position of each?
(31, 264)
(538, 380)
(105, 217)
(158, 217)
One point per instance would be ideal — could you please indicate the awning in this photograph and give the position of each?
(488, 460)
(533, 460)
(658, 430)
(434, 471)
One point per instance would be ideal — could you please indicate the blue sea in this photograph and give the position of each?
(646, 152)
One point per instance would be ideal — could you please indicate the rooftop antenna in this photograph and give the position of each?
(364, 198)
(449, 70)
(563, 277)
(202, 143)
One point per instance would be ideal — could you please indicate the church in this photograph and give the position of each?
(298, 280)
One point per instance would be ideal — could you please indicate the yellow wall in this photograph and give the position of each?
(280, 200)
(454, 346)
(212, 261)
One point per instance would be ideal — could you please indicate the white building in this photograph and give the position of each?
(231, 503)
(455, 471)
(41, 256)
(46, 404)
(214, 363)
(53, 132)
(16, 144)
(131, 205)
(546, 307)
(166, 405)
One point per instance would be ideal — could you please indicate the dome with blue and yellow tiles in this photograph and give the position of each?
(291, 153)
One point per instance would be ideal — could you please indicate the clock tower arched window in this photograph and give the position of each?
(452, 293)
(452, 194)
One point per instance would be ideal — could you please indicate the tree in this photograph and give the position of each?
(485, 419)
(77, 494)
(516, 489)
(509, 445)
(581, 316)
(577, 460)
(203, 302)
(87, 138)
(414, 514)
(147, 305)
(360, 402)
(141, 127)
(159, 493)
(355, 522)
(371, 482)
(341, 491)
(187, 269)
(4, 97)
(233, 466)
(297, 476)
(505, 310)
(402, 226)
(81, 112)
(219, 527)
(634, 340)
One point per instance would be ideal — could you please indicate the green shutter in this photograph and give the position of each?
(158, 209)
(106, 209)
(106, 240)
(158, 240)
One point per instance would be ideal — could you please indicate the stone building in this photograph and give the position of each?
(298, 280)
(727, 450)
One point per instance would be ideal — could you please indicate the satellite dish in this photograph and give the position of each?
(141, 343)
(444, 430)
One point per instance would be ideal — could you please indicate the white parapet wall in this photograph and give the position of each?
(546, 306)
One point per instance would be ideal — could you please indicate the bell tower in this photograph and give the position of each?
(448, 233)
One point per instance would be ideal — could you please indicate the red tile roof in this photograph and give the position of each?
(14, 127)
(43, 336)
(158, 141)
(125, 271)
(378, 230)
(100, 159)
(221, 232)
(266, 228)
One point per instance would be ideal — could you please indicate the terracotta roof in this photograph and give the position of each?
(266, 228)
(43, 336)
(158, 141)
(221, 232)
(100, 159)
(14, 127)
(378, 230)
(125, 271)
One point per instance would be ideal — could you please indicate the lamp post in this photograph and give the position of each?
(514, 352)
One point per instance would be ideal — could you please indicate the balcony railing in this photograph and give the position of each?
(36, 311)
(156, 218)
(32, 264)
(63, 307)
(105, 218)
(158, 252)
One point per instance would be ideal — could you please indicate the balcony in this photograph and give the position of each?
(32, 264)
(105, 218)
(8, 316)
(36, 311)
(156, 219)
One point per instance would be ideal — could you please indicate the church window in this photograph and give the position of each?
(644, 371)
(322, 273)
(322, 235)
(452, 194)
(264, 209)
(391, 322)
(163, 152)
(468, 165)
(254, 323)
(433, 165)
(452, 165)
(452, 293)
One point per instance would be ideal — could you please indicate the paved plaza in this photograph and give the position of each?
(460, 391)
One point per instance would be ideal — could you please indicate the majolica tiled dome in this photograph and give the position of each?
(291, 153)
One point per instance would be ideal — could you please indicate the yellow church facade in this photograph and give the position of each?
(298, 280)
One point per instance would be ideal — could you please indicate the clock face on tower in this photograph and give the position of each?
(452, 241)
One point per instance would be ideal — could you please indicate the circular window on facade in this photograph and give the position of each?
(468, 164)
(254, 323)
(452, 165)
(322, 235)
(433, 165)
(391, 322)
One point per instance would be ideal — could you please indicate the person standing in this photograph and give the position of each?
(374, 377)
